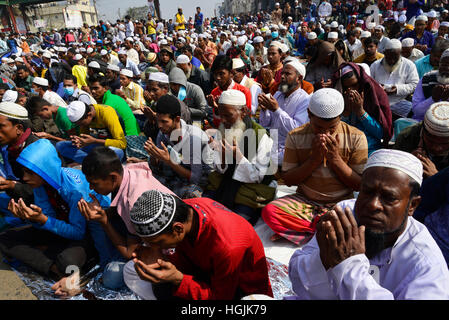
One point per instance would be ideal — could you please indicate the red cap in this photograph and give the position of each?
(304, 24)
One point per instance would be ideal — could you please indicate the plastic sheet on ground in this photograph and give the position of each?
(94, 290)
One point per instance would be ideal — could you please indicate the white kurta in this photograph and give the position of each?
(405, 78)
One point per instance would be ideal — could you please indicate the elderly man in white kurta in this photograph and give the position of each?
(372, 248)
(398, 76)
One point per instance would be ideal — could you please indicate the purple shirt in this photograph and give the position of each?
(426, 39)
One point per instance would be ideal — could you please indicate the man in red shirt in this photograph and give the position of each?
(217, 255)
(222, 71)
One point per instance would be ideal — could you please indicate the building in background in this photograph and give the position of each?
(63, 14)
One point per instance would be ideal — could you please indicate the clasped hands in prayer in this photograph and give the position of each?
(324, 145)
(339, 237)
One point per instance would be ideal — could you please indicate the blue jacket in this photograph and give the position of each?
(42, 158)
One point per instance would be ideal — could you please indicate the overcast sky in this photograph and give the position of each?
(108, 9)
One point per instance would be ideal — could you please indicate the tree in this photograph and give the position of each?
(137, 13)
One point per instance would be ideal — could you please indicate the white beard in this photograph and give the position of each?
(236, 131)
(442, 79)
(284, 88)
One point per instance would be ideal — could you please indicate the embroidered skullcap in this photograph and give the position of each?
(76, 110)
(311, 36)
(232, 97)
(182, 59)
(258, 39)
(298, 66)
(113, 67)
(40, 81)
(158, 77)
(126, 73)
(334, 24)
(422, 18)
(326, 103)
(13, 110)
(10, 96)
(332, 35)
(77, 57)
(408, 42)
(444, 24)
(152, 213)
(436, 119)
(237, 63)
(396, 159)
(365, 34)
(90, 50)
(393, 44)
(94, 64)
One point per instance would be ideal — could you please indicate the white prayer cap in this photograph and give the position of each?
(5, 59)
(436, 119)
(237, 63)
(82, 49)
(104, 52)
(371, 25)
(18, 59)
(10, 60)
(408, 42)
(393, 44)
(127, 73)
(47, 55)
(402, 19)
(13, 110)
(276, 44)
(326, 103)
(298, 66)
(444, 24)
(332, 35)
(129, 39)
(159, 77)
(77, 57)
(432, 14)
(233, 38)
(284, 48)
(365, 34)
(277, 4)
(311, 36)
(258, 39)
(379, 27)
(40, 81)
(241, 41)
(182, 59)
(113, 67)
(76, 110)
(232, 97)
(422, 18)
(282, 27)
(334, 24)
(445, 11)
(397, 159)
(10, 96)
(90, 50)
(94, 64)
(121, 51)
(359, 21)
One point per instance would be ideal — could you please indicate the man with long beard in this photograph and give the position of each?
(380, 251)
(242, 180)
(287, 109)
(433, 87)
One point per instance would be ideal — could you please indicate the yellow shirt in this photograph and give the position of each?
(134, 96)
(180, 20)
(151, 26)
(80, 72)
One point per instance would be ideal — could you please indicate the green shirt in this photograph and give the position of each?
(64, 124)
(124, 111)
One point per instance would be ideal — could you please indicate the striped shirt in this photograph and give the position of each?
(323, 185)
(134, 95)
